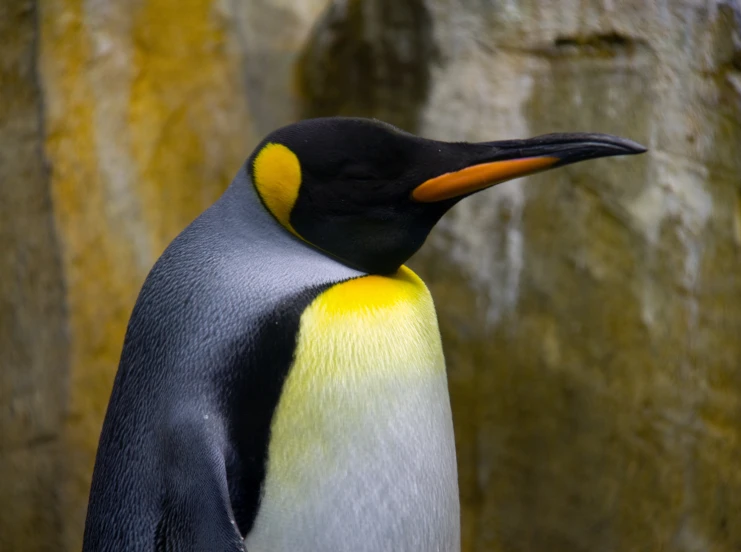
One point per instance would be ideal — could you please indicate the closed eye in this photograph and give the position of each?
(357, 172)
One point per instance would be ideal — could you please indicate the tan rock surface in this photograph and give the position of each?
(271, 34)
(33, 348)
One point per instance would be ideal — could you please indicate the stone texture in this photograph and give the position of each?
(271, 35)
(588, 314)
(33, 350)
(369, 59)
(32, 516)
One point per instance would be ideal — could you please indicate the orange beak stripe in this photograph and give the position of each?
(477, 177)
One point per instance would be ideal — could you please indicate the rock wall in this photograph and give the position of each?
(591, 315)
(33, 345)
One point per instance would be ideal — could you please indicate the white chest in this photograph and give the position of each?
(362, 453)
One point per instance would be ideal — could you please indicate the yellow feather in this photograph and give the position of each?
(356, 341)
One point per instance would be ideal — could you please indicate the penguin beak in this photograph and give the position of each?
(497, 162)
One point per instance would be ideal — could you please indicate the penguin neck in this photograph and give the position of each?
(242, 192)
(271, 244)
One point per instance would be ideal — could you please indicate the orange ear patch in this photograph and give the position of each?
(277, 174)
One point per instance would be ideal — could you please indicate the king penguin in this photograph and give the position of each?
(282, 386)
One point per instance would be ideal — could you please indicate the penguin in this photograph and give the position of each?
(282, 385)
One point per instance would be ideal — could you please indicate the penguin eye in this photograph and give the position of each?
(386, 167)
(356, 171)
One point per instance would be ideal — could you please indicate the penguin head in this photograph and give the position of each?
(368, 193)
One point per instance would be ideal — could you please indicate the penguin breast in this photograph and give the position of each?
(361, 455)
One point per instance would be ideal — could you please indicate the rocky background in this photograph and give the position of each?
(591, 315)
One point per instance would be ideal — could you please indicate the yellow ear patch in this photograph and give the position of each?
(277, 175)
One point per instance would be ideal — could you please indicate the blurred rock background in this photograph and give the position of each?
(591, 316)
